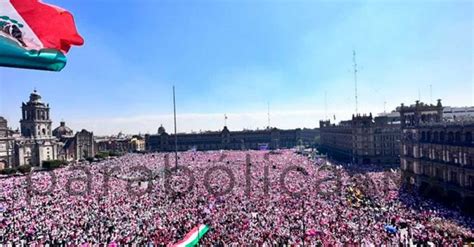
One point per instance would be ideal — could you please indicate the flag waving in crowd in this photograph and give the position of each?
(192, 238)
(35, 35)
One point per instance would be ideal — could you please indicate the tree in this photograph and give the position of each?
(102, 155)
(113, 154)
(53, 164)
(24, 168)
(8, 171)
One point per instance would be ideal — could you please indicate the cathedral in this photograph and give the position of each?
(36, 142)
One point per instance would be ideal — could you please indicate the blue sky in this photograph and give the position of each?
(235, 56)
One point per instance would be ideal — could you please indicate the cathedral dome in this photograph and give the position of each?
(62, 131)
(161, 130)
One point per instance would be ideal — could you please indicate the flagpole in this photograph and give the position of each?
(304, 227)
(197, 217)
(175, 133)
(199, 226)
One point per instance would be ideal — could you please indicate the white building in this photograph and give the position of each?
(451, 114)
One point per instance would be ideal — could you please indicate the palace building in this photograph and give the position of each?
(270, 138)
(437, 153)
(336, 140)
(363, 139)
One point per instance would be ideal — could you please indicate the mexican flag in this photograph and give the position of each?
(35, 35)
(192, 238)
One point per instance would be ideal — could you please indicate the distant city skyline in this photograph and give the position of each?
(192, 122)
(235, 57)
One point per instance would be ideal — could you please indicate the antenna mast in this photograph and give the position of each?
(355, 80)
(268, 114)
(175, 133)
(431, 94)
(325, 105)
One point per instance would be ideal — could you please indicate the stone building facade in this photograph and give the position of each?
(118, 145)
(437, 155)
(74, 146)
(336, 140)
(387, 134)
(363, 139)
(138, 143)
(270, 138)
(78, 147)
(6, 144)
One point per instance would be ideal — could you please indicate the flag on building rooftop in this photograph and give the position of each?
(35, 35)
(192, 238)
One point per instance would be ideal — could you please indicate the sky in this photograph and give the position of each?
(242, 57)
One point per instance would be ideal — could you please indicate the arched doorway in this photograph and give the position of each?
(453, 198)
(467, 205)
(437, 193)
(424, 189)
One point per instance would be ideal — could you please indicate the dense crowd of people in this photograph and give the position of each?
(245, 197)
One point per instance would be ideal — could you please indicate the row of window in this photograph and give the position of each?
(452, 176)
(38, 114)
(441, 136)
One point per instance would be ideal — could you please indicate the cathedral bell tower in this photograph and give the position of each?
(35, 122)
(37, 143)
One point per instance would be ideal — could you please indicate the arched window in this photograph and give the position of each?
(428, 136)
(468, 138)
(435, 136)
(450, 137)
(43, 131)
(442, 136)
(457, 137)
(423, 136)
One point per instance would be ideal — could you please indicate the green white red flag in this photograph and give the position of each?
(192, 238)
(35, 35)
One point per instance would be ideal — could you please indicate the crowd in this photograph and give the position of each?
(251, 198)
